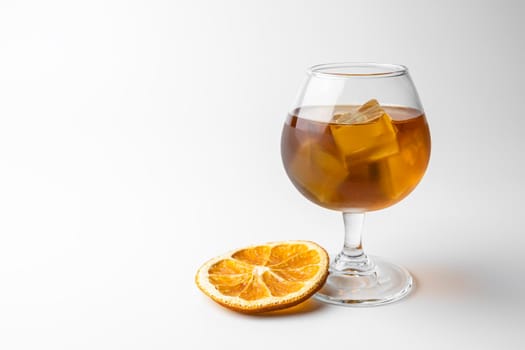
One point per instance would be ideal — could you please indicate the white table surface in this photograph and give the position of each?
(140, 138)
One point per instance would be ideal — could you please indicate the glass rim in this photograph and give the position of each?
(357, 69)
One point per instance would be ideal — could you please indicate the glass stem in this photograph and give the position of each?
(352, 259)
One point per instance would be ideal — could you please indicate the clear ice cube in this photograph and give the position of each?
(317, 170)
(367, 112)
(365, 135)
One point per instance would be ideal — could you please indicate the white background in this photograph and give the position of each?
(140, 138)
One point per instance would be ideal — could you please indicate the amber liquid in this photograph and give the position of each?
(355, 167)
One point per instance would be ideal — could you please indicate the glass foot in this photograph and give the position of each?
(386, 283)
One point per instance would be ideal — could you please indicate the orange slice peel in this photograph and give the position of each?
(265, 277)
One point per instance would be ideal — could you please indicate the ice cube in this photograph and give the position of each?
(365, 135)
(405, 168)
(388, 178)
(368, 112)
(317, 170)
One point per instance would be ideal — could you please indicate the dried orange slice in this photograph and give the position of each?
(265, 277)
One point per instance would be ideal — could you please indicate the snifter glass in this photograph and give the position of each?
(357, 140)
